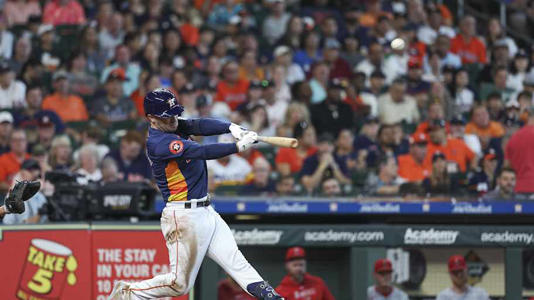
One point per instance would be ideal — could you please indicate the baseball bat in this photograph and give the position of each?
(279, 141)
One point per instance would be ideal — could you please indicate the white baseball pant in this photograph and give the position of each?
(190, 234)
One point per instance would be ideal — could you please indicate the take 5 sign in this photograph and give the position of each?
(48, 262)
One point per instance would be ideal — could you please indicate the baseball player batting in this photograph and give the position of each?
(190, 226)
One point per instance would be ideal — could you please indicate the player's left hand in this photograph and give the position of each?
(237, 131)
(22, 191)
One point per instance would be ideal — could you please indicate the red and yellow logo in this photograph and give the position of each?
(47, 267)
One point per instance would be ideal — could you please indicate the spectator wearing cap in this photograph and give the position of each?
(376, 88)
(82, 83)
(130, 158)
(396, 64)
(152, 81)
(481, 124)
(460, 288)
(518, 72)
(412, 166)
(228, 289)
(373, 62)
(416, 86)
(11, 161)
(6, 127)
(262, 184)
(29, 170)
(46, 130)
(18, 12)
(231, 169)
(309, 53)
(435, 26)
(484, 178)
(12, 91)
(500, 77)
(231, 90)
(290, 160)
(386, 181)
(455, 150)
(87, 165)
(324, 163)
(457, 130)
(131, 69)
(69, 107)
(439, 181)
(339, 67)
(366, 143)
(464, 97)
(467, 45)
(504, 190)
(383, 289)
(63, 12)
(298, 282)
(113, 106)
(275, 23)
(396, 106)
(283, 56)
(332, 114)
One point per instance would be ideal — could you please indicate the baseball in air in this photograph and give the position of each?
(398, 44)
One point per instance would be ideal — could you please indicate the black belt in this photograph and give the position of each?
(199, 204)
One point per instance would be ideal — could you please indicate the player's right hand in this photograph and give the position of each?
(247, 140)
(237, 131)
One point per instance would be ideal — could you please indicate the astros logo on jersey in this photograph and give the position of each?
(176, 147)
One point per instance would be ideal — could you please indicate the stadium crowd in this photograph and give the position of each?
(386, 98)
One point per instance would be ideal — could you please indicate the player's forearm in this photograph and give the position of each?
(211, 151)
(203, 126)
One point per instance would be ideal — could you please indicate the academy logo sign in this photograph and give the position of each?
(430, 236)
(507, 237)
(343, 236)
(257, 237)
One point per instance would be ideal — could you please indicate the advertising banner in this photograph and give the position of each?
(127, 255)
(45, 262)
(59, 262)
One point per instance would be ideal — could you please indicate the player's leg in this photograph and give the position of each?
(223, 250)
(187, 234)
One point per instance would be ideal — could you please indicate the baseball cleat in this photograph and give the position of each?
(119, 291)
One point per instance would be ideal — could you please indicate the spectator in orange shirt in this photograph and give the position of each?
(467, 45)
(411, 165)
(289, 160)
(248, 68)
(10, 162)
(435, 112)
(458, 155)
(231, 89)
(482, 126)
(69, 107)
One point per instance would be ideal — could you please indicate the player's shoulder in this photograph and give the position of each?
(158, 140)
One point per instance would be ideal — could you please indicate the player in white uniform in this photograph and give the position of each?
(460, 290)
(190, 226)
(383, 289)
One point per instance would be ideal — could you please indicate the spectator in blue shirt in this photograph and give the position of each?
(132, 162)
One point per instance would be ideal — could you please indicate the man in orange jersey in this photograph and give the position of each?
(68, 106)
(458, 155)
(411, 165)
(231, 89)
(467, 45)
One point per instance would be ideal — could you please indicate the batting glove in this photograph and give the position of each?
(237, 131)
(248, 139)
